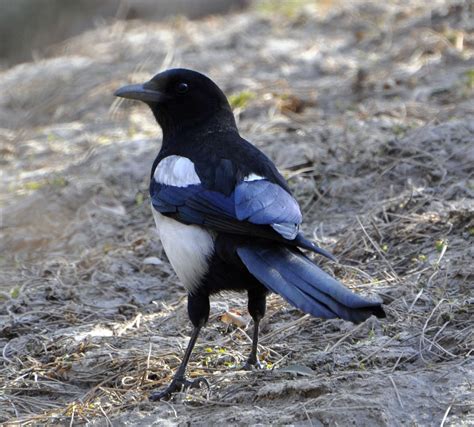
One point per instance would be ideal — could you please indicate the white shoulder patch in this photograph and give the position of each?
(177, 171)
(254, 177)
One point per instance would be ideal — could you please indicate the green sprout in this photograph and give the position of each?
(470, 78)
(57, 181)
(139, 199)
(241, 99)
(15, 292)
(287, 8)
(34, 185)
(440, 245)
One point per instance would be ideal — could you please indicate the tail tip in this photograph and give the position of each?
(379, 312)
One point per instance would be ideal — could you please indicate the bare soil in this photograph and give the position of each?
(366, 107)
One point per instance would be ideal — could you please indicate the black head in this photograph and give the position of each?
(182, 99)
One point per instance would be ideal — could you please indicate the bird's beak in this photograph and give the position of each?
(140, 92)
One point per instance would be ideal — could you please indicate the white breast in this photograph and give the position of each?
(176, 170)
(188, 248)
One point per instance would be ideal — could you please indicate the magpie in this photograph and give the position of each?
(226, 217)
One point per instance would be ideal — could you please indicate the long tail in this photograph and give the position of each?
(289, 273)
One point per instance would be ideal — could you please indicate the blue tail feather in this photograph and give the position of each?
(289, 273)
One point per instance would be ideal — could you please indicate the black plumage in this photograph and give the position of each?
(226, 217)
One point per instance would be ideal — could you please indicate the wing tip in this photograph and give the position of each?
(304, 243)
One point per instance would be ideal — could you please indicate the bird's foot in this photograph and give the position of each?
(251, 364)
(178, 384)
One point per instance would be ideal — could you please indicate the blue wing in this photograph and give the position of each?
(258, 207)
(262, 202)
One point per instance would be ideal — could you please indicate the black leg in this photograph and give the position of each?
(179, 381)
(256, 306)
(198, 309)
(252, 360)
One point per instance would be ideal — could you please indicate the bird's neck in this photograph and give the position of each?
(222, 121)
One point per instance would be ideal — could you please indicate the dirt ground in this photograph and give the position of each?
(366, 107)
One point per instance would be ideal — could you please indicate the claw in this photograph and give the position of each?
(177, 385)
(250, 366)
(196, 383)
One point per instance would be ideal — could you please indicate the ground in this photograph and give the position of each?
(366, 107)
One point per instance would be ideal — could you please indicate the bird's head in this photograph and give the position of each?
(182, 99)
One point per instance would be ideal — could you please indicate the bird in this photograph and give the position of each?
(226, 217)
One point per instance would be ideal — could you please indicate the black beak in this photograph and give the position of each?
(140, 92)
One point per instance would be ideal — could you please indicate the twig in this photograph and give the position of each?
(378, 349)
(71, 423)
(307, 415)
(345, 337)
(377, 248)
(445, 417)
(423, 331)
(396, 391)
(285, 328)
(418, 295)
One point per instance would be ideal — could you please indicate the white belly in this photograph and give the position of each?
(188, 248)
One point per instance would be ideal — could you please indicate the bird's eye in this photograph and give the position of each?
(182, 88)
